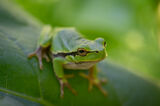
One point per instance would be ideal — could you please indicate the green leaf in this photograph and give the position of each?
(22, 83)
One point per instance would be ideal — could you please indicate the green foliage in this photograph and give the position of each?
(22, 83)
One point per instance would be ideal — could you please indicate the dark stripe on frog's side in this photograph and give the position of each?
(61, 54)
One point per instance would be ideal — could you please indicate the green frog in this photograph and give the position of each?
(68, 49)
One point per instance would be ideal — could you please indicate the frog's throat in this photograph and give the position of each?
(79, 65)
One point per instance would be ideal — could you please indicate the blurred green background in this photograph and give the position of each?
(128, 26)
(132, 68)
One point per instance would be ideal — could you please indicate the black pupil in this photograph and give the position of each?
(81, 51)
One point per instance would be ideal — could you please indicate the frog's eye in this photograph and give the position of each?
(81, 52)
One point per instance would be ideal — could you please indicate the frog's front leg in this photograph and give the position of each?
(59, 71)
(40, 53)
(93, 79)
(44, 43)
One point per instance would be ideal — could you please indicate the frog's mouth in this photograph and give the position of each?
(95, 61)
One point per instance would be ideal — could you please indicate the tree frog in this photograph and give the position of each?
(68, 49)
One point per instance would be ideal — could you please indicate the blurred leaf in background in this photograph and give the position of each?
(129, 27)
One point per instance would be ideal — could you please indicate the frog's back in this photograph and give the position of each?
(66, 40)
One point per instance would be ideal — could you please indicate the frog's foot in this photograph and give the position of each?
(95, 81)
(64, 83)
(39, 53)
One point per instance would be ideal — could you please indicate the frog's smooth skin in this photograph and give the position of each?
(68, 49)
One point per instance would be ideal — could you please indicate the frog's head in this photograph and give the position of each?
(89, 51)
